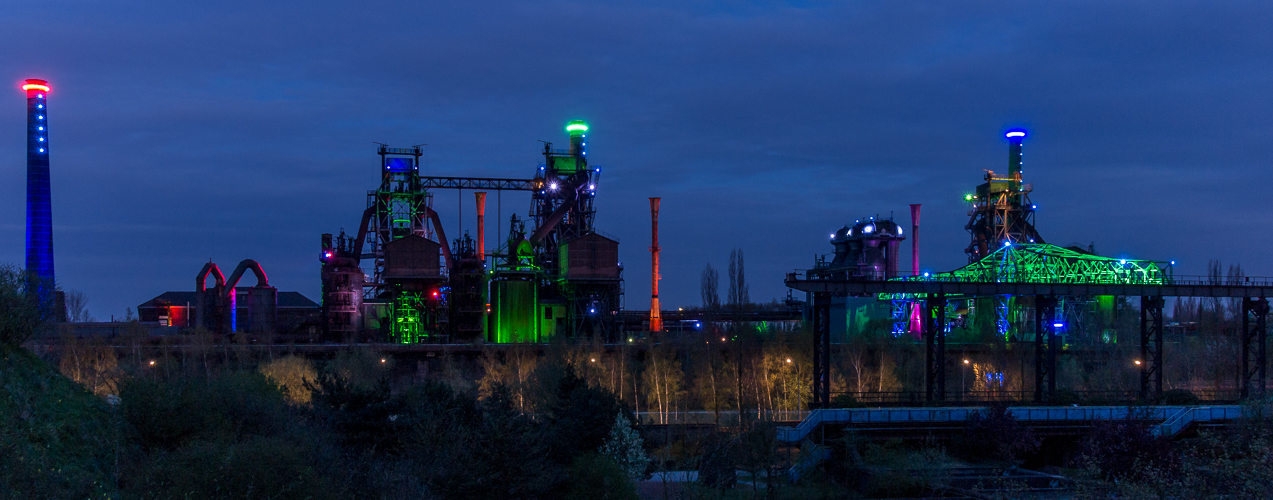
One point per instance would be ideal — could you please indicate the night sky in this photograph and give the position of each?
(182, 132)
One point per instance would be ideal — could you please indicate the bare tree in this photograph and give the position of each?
(77, 307)
(738, 296)
(710, 283)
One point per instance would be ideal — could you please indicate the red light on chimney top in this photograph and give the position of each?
(33, 84)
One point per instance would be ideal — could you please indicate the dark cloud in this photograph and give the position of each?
(229, 130)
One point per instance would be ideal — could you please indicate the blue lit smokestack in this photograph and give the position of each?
(1014, 151)
(39, 201)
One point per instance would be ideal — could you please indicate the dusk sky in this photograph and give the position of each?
(182, 132)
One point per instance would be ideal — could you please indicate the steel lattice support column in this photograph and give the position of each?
(821, 349)
(1254, 362)
(935, 338)
(1151, 347)
(1046, 345)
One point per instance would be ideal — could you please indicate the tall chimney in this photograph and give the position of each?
(656, 319)
(917, 318)
(578, 130)
(1014, 165)
(39, 260)
(481, 225)
(1014, 151)
(915, 239)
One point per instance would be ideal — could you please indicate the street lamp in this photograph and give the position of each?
(963, 379)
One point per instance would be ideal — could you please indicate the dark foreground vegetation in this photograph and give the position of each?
(215, 420)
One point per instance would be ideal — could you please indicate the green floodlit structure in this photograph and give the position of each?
(1038, 263)
(1044, 263)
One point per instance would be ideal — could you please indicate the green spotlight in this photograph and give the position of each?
(577, 127)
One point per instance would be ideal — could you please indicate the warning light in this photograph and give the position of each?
(579, 126)
(35, 86)
(1015, 133)
(435, 293)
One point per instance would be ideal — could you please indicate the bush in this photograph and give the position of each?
(595, 476)
(845, 401)
(256, 468)
(365, 417)
(994, 433)
(1066, 397)
(163, 415)
(1126, 448)
(1179, 397)
(291, 374)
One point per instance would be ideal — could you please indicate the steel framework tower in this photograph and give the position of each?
(1001, 210)
(39, 257)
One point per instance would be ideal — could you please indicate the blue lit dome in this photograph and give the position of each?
(871, 229)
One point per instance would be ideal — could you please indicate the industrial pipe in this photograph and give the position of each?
(656, 319)
(446, 245)
(209, 268)
(362, 232)
(551, 221)
(261, 279)
(481, 225)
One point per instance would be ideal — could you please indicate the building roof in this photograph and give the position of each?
(285, 299)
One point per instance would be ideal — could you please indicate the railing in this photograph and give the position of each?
(1169, 280)
(727, 418)
(401, 151)
(1173, 419)
(869, 398)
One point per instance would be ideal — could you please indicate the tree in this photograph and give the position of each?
(290, 374)
(92, 363)
(626, 448)
(77, 307)
(21, 314)
(738, 295)
(710, 283)
(663, 380)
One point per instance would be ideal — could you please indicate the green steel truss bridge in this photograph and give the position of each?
(1045, 272)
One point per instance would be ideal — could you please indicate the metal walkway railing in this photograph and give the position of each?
(1172, 419)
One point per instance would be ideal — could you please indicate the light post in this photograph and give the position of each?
(963, 380)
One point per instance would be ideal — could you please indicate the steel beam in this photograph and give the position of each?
(935, 339)
(478, 183)
(1255, 312)
(821, 350)
(1151, 347)
(987, 288)
(1046, 345)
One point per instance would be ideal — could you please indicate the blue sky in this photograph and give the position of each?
(230, 130)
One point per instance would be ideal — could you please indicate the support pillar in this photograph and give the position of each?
(1151, 347)
(1255, 312)
(935, 340)
(821, 350)
(1046, 345)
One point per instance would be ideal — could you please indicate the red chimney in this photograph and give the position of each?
(917, 317)
(481, 226)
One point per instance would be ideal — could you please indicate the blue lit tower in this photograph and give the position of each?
(39, 202)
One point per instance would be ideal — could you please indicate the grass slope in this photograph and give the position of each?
(57, 440)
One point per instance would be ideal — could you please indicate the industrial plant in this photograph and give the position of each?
(553, 274)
